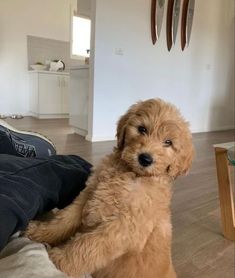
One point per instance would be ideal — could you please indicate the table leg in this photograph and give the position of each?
(225, 193)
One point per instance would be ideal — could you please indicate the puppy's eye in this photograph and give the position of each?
(142, 129)
(167, 143)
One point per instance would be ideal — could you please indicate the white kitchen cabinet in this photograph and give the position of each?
(49, 94)
(65, 94)
(78, 96)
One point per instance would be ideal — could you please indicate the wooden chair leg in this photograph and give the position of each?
(225, 193)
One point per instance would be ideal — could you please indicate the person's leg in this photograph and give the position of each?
(30, 186)
(8, 221)
(24, 143)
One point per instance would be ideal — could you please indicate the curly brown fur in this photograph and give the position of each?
(120, 225)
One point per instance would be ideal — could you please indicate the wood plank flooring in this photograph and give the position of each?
(199, 249)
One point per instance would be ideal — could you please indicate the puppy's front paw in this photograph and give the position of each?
(37, 231)
(30, 231)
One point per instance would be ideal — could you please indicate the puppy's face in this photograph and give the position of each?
(155, 140)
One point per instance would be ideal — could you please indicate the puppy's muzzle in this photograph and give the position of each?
(145, 159)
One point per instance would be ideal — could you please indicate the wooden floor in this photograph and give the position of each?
(199, 249)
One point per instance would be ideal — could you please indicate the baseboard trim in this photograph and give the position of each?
(99, 139)
(222, 128)
(49, 116)
(80, 131)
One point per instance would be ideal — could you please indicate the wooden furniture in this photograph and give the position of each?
(225, 189)
(169, 21)
(49, 94)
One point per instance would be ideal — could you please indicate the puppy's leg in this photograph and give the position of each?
(89, 252)
(171, 273)
(62, 226)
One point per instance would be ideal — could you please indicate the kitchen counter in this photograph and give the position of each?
(50, 72)
(80, 67)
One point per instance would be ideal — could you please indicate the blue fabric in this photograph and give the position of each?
(31, 186)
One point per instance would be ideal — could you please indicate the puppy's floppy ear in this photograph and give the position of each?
(184, 157)
(187, 158)
(121, 131)
(122, 124)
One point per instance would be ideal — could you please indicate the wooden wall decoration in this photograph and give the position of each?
(187, 22)
(157, 12)
(169, 20)
(153, 21)
(172, 21)
(176, 15)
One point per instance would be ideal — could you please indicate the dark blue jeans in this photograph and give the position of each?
(31, 186)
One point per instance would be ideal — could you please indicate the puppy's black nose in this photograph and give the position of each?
(145, 159)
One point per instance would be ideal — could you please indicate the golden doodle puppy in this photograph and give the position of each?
(120, 225)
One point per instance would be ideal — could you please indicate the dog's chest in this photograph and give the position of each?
(118, 196)
(104, 205)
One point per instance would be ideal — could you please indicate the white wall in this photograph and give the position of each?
(199, 81)
(19, 18)
(84, 7)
